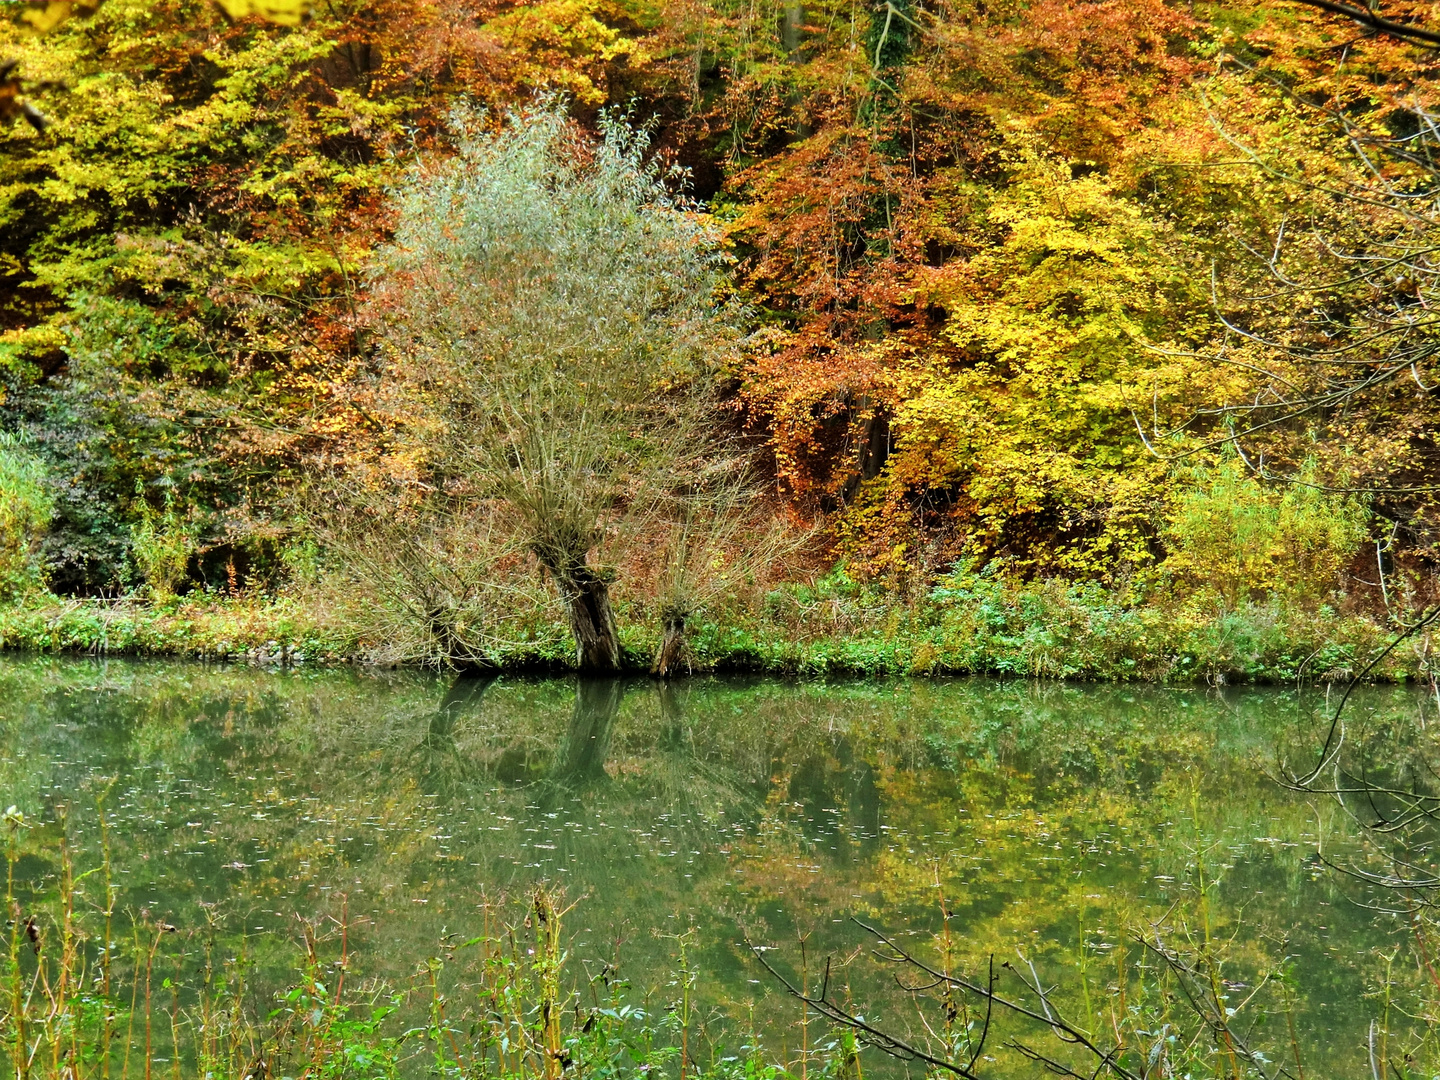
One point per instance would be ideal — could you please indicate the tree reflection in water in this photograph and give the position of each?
(580, 757)
(1051, 817)
(437, 757)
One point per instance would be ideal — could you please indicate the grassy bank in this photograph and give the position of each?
(835, 627)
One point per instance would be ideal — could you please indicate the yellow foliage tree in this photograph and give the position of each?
(1018, 411)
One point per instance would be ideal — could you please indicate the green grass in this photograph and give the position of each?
(208, 628)
(836, 627)
(1046, 630)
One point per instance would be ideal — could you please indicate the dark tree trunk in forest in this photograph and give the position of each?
(586, 596)
(672, 648)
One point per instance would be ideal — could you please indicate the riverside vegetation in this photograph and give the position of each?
(1040, 339)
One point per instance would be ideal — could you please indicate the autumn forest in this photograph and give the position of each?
(1030, 337)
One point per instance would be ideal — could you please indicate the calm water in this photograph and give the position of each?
(1056, 819)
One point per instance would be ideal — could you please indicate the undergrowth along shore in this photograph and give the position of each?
(837, 627)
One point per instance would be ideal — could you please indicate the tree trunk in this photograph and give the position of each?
(672, 649)
(586, 596)
(451, 649)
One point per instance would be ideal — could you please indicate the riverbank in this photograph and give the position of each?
(1035, 630)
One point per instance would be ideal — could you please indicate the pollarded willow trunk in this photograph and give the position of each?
(586, 596)
(451, 649)
(672, 648)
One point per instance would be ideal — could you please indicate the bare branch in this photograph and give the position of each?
(1377, 23)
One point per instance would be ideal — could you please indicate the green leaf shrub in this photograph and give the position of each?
(26, 506)
(1232, 533)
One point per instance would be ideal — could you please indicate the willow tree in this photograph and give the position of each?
(552, 317)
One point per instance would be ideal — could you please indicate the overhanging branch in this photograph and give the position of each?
(1371, 20)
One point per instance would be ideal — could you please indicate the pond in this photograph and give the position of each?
(1053, 822)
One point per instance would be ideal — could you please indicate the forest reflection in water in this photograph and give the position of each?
(1055, 819)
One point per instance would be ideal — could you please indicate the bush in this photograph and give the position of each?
(1229, 531)
(161, 545)
(432, 586)
(26, 507)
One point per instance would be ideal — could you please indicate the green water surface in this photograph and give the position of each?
(1057, 820)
